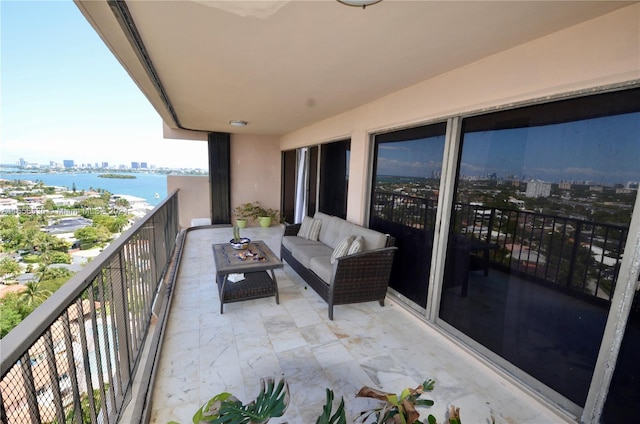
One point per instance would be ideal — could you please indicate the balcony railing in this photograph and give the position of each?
(73, 358)
(570, 254)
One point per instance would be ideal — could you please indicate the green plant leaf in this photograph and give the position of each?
(392, 399)
(424, 402)
(428, 385)
(209, 411)
(272, 401)
(338, 417)
(431, 419)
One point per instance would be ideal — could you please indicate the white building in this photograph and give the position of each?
(8, 205)
(537, 188)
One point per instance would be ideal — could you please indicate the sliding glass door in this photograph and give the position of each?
(543, 201)
(406, 181)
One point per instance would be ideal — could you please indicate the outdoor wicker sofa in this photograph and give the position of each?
(352, 278)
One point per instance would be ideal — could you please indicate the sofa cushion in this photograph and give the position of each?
(341, 248)
(293, 242)
(328, 229)
(372, 239)
(335, 229)
(321, 266)
(305, 252)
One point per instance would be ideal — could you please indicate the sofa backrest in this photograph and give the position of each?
(334, 229)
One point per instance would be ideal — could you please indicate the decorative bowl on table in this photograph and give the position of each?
(240, 244)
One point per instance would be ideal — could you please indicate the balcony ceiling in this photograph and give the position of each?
(283, 65)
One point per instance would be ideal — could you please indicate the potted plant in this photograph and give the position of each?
(265, 215)
(244, 213)
(238, 242)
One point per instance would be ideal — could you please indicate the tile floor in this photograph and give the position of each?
(205, 353)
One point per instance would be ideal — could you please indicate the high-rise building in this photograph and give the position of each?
(68, 163)
(537, 188)
(135, 165)
(143, 165)
(105, 164)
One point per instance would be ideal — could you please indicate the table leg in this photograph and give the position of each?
(224, 283)
(273, 277)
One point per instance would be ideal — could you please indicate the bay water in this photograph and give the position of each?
(144, 185)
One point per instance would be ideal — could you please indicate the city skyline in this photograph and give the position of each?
(65, 95)
(72, 164)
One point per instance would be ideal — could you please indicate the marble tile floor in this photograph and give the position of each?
(205, 353)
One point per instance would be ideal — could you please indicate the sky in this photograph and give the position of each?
(603, 150)
(63, 95)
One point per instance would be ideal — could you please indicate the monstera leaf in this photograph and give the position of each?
(338, 417)
(272, 401)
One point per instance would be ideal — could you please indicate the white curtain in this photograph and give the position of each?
(302, 182)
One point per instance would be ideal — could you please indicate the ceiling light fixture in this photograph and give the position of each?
(238, 123)
(359, 3)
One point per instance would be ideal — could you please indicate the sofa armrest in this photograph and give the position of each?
(291, 229)
(362, 276)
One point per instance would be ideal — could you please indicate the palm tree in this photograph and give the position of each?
(34, 294)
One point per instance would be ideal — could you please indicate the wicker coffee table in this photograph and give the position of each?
(256, 283)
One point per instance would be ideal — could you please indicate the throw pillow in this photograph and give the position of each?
(357, 245)
(305, 227)
(341, 248)
(314, 232)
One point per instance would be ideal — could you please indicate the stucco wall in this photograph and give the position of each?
(255, 170)
(597, 53)
(194, 198)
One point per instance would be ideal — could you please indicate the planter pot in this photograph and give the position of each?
(265, 221)
(240, 244)
(241, 223)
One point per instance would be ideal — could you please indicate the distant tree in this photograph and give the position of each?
(11, 234)
(90, 236)
(115, 224)
(11, 313)
(53, 284)
(44, 242)
(34, 294)
(121, 222)
(9, 268)
(105, 195)
(123, 203)
(93, 203)
(55, 273)
(8, 222)
(55, 257)
(49, 205)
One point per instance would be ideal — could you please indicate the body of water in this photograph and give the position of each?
(144, 185)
